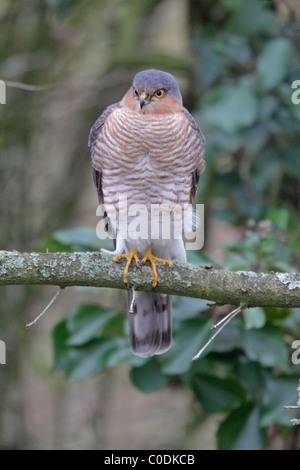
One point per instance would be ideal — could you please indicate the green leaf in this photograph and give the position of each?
(95, 356)
(219, 143)
(116, 325)
(191, 336)
(256, 137)
(187, 307)
(236, 261)
(268, 106)
(148, 378)
(290, 160)
(254, 318)
(273, 63)
(119, 353)
(279, 392)
(251, 375)
(79, 236)
(230, 108)
(81, 361)
(250, 17)
(199, 257)
(62, 353)
(295, 108)
(217, 394)
(266, 346)
(86, 321)
(52, 245)
(292, 322)
(241, 431)
(226, 341)
(233, 49)
(275, 315)
(210, 68)
(280, 217)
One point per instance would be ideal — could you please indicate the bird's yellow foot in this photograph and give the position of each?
(154, 259)
(130, 256)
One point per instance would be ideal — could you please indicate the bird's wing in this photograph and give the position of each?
(94, 133)
(200, 163)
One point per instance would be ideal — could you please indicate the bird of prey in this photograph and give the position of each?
(147, 151)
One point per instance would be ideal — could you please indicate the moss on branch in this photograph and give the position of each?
(98, 270)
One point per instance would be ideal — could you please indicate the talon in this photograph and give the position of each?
(118, 258)
(130, 256)
(153, 260)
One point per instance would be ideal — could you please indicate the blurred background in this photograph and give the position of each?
(71, 382)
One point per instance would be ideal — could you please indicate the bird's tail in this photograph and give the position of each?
(150, 322)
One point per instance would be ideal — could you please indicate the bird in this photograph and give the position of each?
(147, 151)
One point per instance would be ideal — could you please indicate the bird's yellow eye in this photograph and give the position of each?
(135, 93)
(159, 93)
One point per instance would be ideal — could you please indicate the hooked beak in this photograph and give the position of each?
(143, 98)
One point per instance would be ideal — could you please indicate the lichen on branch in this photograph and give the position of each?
(98, 270)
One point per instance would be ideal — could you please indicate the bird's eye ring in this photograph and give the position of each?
(135, 93)
(159, 93)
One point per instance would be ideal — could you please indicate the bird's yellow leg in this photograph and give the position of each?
(153, 260)
(130, 256)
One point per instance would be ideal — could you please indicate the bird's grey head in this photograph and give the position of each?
(155, 89)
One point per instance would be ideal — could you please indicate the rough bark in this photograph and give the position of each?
(95, 269)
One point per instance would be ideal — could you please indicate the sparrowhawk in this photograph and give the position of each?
(147, 151)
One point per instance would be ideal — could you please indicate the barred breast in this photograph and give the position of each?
(150, 159)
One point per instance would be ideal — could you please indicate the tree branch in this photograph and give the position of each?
(97, 269)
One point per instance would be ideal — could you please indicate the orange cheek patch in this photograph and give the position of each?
(166, 105)
(130, 101)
